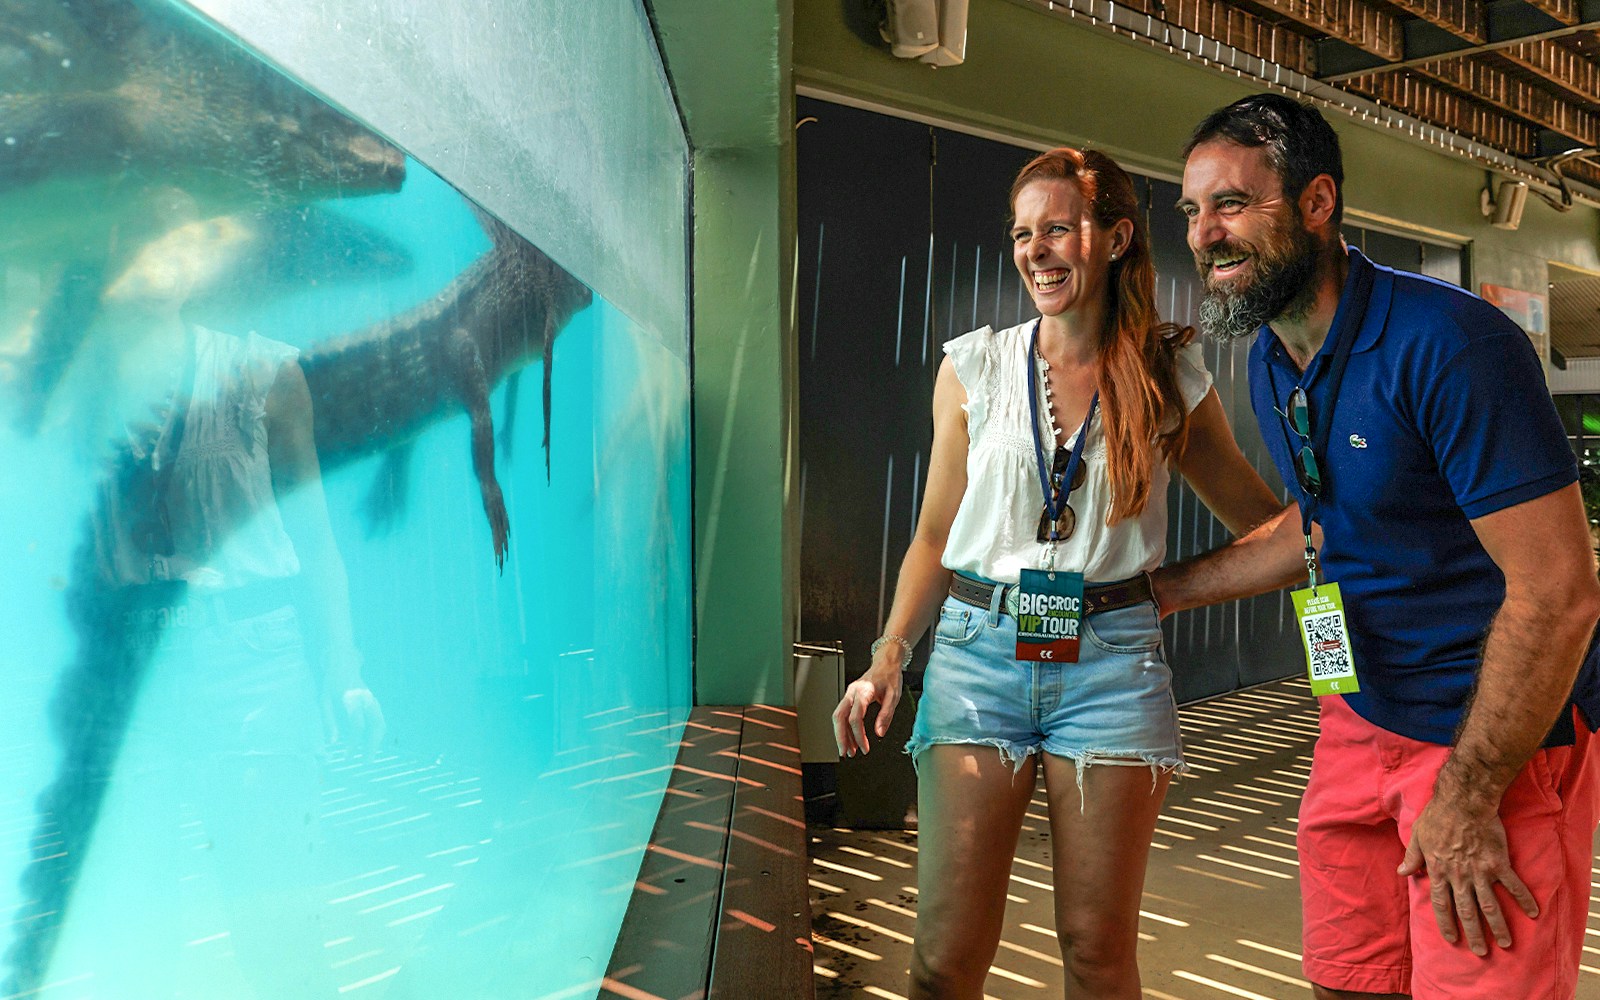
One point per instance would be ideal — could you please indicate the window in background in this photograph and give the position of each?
(1437, 260)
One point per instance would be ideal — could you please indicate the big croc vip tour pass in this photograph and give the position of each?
(1049, 615)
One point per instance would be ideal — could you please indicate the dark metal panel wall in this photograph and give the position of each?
(1234, 645)
(901, 231)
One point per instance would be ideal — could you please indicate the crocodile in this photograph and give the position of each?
(373, 391)
(99, 98)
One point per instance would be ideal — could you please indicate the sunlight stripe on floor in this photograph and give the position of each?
(1223, 987)
(1258, 970)
(1269, 949)
(1243, 867)
(847, 949)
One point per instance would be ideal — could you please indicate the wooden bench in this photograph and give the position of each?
(721, 908)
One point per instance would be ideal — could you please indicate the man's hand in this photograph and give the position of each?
(1271, 556)
(1464, 853)
(1536, 642)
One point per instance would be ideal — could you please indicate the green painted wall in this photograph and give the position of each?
(728, 61)
(744, 374)
(1040, 79)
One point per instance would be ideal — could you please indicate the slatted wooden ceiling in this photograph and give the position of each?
(1521, 76)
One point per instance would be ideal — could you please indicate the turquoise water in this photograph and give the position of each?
(220, 825)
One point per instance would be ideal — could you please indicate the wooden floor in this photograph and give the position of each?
(1221, 915)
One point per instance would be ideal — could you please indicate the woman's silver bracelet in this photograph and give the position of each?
(905, 647)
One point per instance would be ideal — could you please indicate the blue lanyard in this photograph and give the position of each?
(1323, 428)
(1318, 442)
(1320, 434)
(1054, 501)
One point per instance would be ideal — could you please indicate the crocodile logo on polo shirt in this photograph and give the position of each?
(1357, 441)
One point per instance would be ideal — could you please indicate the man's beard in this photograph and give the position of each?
(1282, 286)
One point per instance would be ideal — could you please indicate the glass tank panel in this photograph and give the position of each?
(347, 641)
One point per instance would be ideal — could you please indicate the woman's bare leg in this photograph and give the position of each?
(1101, 841)
(969, 813)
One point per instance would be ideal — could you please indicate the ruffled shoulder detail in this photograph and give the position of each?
(239, 373)
(1194, 378)
(266, 356)
(972, 354)
(976, 358)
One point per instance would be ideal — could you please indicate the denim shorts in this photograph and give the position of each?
(1114, 706)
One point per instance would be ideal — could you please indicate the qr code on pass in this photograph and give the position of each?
(1325, 639)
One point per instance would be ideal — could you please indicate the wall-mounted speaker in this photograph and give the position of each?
(1504, 205)
(933, 31)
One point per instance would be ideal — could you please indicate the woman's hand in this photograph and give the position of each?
(364, 716)
(881, 683)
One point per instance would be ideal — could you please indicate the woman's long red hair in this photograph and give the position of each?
(1141, 406)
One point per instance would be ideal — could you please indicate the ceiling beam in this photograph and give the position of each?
(1223, 22)
(1451, 28)
(1421, 110)
(1424, 39)
(1427, 100)
(1565, 11)
(1487, 84)
(1476, 96)
(1352, 23)
(1460, 18)
(1559, 69)
(1431, 102)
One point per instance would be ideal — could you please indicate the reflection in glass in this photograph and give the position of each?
(308, 624)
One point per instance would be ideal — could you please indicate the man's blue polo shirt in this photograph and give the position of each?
(1443, 416)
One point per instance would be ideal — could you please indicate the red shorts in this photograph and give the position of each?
(1369, 930)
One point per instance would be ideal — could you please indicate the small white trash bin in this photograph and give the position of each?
(818, 686)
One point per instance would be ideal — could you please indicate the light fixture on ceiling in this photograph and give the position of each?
(1503, 205)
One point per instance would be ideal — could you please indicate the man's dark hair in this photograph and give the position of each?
(1300, 143)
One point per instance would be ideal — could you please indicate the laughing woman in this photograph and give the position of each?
(1045, 507)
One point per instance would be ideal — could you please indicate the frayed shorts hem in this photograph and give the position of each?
(1016, 754)
(1012, 753)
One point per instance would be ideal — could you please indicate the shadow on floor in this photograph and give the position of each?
(1221, 913)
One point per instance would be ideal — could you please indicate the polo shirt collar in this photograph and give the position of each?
(1359, 315)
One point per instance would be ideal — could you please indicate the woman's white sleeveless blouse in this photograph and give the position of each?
(994, 532)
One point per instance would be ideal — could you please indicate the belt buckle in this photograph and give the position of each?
(1013, 597)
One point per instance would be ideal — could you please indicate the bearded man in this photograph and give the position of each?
(1437, 530)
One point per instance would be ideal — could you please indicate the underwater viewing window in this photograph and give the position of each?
(346, 534)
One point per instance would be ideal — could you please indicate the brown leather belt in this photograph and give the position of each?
(1097, 597)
